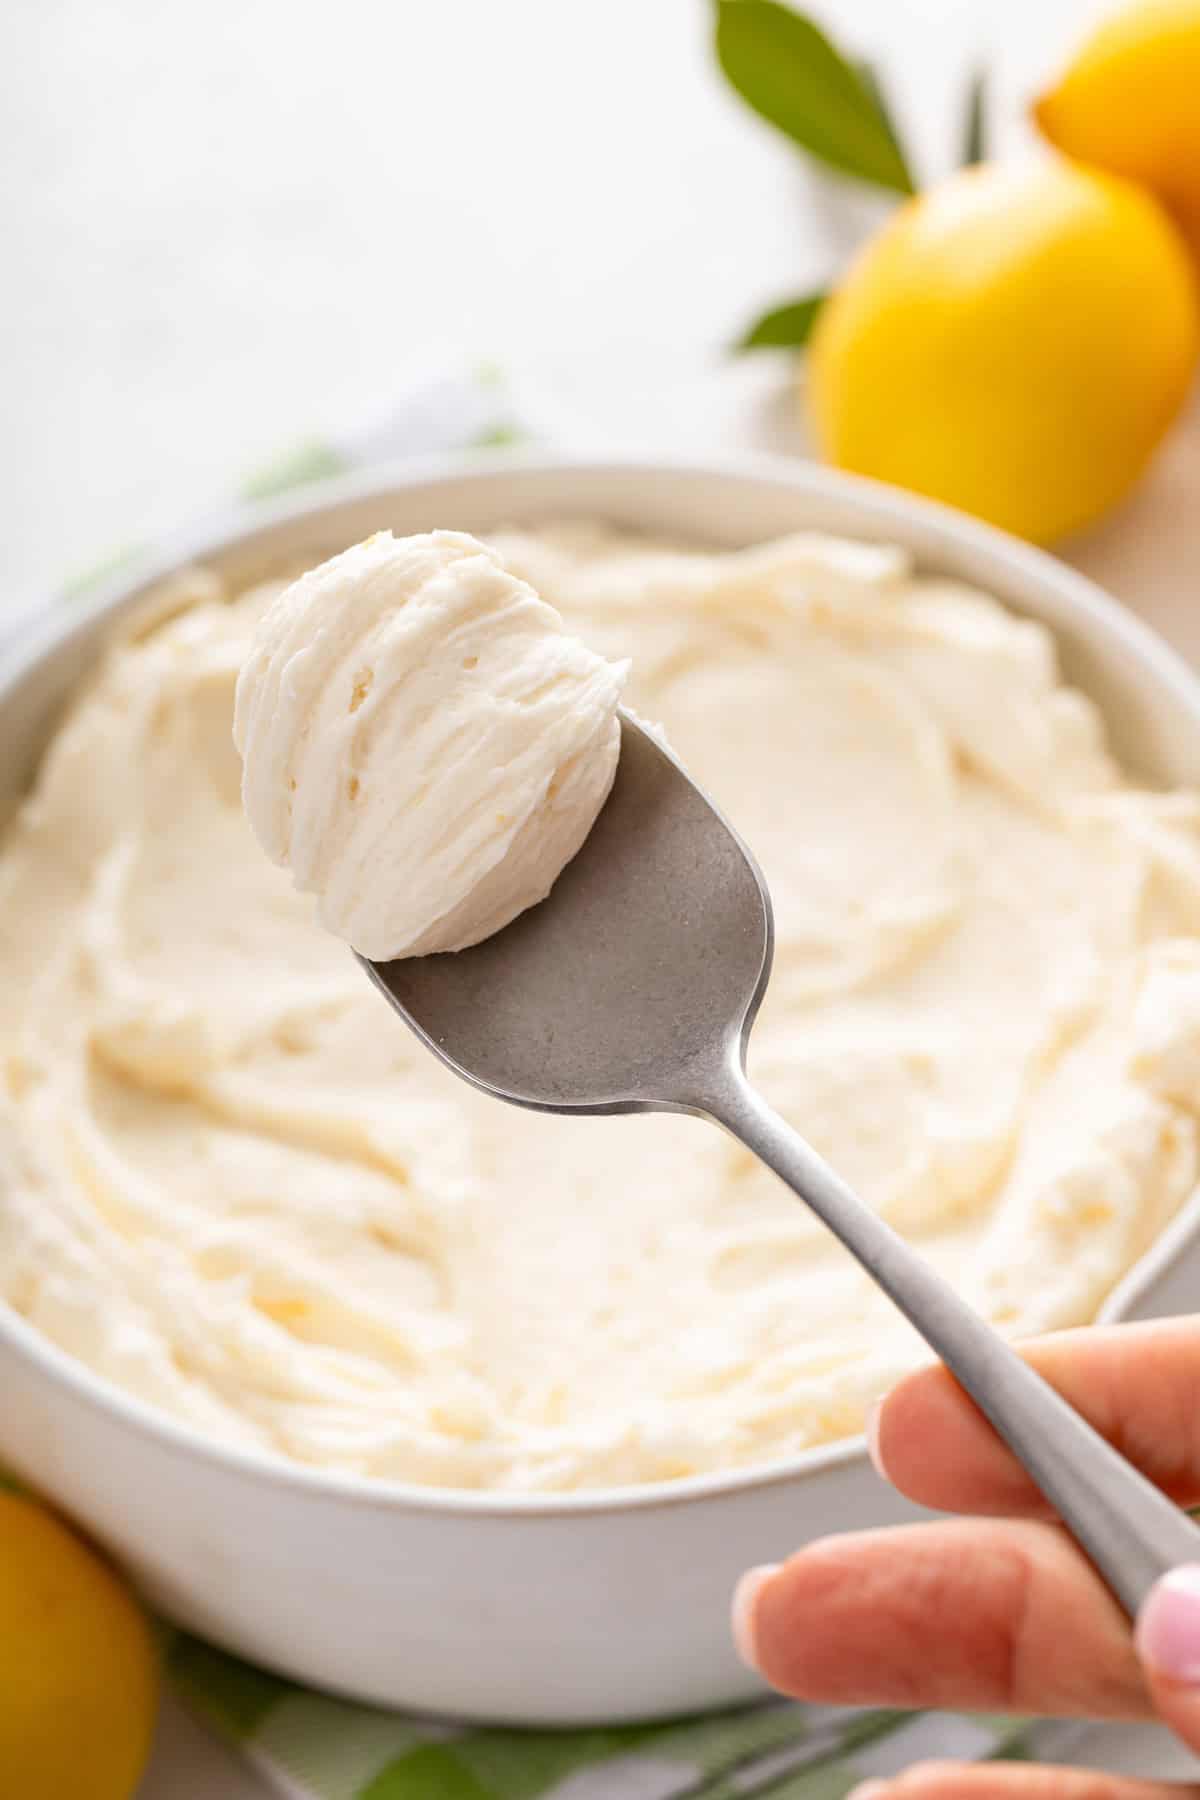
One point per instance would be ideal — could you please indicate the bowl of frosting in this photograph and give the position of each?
(456, 1408)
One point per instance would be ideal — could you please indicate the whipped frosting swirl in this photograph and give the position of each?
(425, 746)
(234, 1184)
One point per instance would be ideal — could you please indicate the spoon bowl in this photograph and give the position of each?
(648, 962)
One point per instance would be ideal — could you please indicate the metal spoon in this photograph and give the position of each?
(634, 988)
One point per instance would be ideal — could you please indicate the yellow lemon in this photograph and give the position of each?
(1015, 342)
(1130, 102)
(78, 1667)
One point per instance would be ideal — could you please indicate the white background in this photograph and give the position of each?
(227, 227)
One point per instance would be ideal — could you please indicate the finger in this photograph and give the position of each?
(1168, 1642)
(992, 1614)
(1023, 1781)
(1139, 1385)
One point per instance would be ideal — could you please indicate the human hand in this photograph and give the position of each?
(1000, 1611)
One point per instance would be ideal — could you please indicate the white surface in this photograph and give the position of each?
(221, 237)
(209, 240)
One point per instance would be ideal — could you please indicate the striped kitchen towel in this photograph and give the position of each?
(311, 1746)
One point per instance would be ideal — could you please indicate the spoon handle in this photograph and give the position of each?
(1131, 1532)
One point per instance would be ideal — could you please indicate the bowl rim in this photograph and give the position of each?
(46, 629)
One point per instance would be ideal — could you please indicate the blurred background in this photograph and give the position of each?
(227, 228)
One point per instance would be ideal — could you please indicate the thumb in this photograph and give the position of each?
(1168, 1642)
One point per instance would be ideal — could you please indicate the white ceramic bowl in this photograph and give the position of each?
(589, 1607)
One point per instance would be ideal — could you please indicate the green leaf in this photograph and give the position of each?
(974, 148)
(869, 77)
(788, 71)
(784, 327)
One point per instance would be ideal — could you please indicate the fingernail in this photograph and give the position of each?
(871, 1429)
(745, 1599)
(868, 1790)
(1168, 1626)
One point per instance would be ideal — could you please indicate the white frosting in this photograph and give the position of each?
(234, 1183)
(423, 744)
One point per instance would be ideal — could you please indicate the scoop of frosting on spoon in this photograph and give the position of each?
(424, 745)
